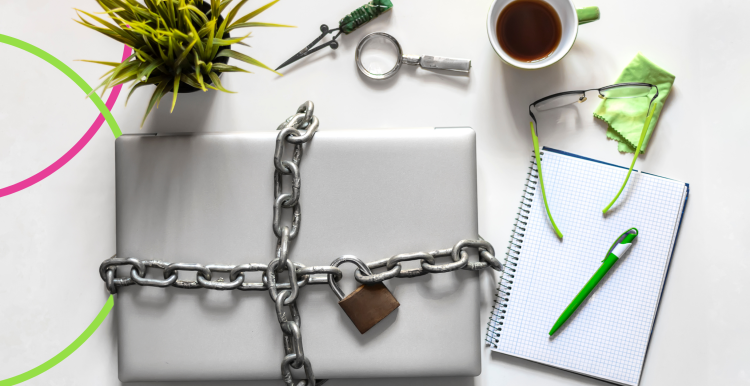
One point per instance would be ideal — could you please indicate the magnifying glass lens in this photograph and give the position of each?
(379, 55)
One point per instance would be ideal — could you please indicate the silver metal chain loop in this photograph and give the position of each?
(290, 328)
(286, 373)
(220, 284)
(290, 134)
(277, 206)
(282, 249)
(285, 294)
(271, 276)
(141, 279)
(341, 260)
(335, 271)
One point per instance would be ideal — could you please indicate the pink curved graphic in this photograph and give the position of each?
(55, 166)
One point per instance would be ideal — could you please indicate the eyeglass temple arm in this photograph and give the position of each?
(541, 181)
(637, 151)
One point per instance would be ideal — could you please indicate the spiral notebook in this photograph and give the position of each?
(608, 336)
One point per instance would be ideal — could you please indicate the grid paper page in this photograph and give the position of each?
(608, 335)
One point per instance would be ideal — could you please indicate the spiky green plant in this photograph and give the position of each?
(174, 42)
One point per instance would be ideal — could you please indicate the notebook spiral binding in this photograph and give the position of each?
(505, 285)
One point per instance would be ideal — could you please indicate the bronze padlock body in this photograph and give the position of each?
(368, 305)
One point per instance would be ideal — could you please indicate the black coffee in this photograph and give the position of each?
(529, 30)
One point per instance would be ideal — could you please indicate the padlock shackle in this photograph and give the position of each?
(341, 260)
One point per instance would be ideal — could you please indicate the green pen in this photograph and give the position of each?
(617, 250)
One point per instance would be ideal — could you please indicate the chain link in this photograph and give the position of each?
(285, 294)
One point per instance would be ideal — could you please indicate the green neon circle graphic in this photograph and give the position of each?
(38, 52)
(116, 131)
(67, 351)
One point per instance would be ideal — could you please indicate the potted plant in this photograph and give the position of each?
(178, 45)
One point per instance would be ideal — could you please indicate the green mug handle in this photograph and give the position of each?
(587, 15)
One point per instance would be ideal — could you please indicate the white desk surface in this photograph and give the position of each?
(54, 235)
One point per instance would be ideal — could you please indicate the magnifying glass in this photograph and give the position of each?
(379, 56)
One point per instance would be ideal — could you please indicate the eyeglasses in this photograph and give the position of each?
(615, 91)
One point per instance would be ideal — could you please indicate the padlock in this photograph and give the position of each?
(368, 304)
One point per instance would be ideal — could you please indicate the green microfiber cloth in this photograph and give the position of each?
(625, 117)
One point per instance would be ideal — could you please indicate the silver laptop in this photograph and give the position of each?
(208, 199)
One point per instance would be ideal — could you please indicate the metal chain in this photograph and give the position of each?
(285, 294)
(304, 275)
(290, 134)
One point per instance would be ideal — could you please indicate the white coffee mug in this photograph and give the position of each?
(570, 18)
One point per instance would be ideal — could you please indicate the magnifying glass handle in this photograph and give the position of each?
(438, 62)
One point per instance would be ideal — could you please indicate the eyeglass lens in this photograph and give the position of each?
(632, 91)
(618, 92)
(559, 101)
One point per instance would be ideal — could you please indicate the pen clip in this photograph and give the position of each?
(619, 240)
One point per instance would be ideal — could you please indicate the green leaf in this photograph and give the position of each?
(144, 57)
(150, 5)
(110, 12)
(155, 97)
(181, 15)
(199, 78)
(123, 66)
(113, 10)
(111, 26)
(169, 10)
(223, 26)
(255, 13)
(221, 67)
(196, 60)
(106, 32)
(180, 36)
(113, 64)
(224, 4)
(215, 4)
(163, 55)
(242, 57)
(123, 80)
(139, 27)
(200, 48)
(147, 45)
(217, 83)
(163, 13)
(185, 53)
(195, 11)
(257, 24)
(207, 53)
(174, 91)
(126, 72)
(170, 51)
(234, 11)
(190, 82)
(144, 73)
(102, 84)
(226, 42)
(155, 79)
(135, 11)
(121, 29)
(134, 87)
(107, 73)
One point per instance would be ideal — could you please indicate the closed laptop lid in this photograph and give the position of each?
(208, 199)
